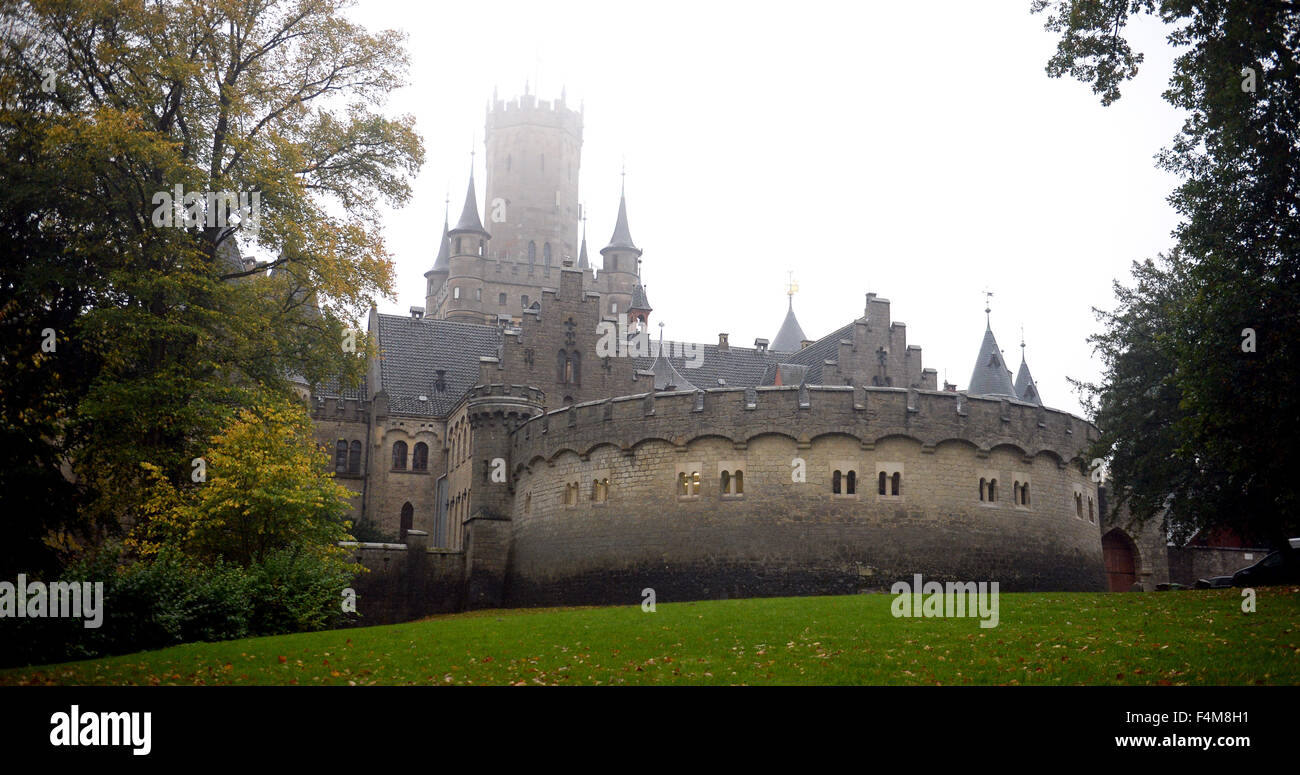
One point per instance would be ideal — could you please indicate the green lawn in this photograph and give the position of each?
(1046, 638)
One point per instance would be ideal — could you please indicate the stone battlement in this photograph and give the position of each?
(869, 414)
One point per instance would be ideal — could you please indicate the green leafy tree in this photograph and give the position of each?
(267, 487)
(1198, 402)
(106, 107)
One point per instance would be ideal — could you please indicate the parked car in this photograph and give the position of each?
(1216, 582)
(1270, 570)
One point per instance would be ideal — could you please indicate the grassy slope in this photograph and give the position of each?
(1178, 638)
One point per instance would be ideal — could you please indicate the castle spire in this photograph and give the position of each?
(1026, 388)
(991, 376)
(583, 263)
(791, 337)
(469, 220)
(622, 238)
(443, 262)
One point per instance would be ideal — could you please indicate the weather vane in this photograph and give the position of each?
(987, 304)
(792, 287)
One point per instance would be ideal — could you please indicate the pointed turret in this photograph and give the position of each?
(436, 277)
(442, 263)
(666, 376)
(583, 263)
(991, 376)
(1026, 388)
(639, 310)
(469, 222)
(622, 238)
(791, 337)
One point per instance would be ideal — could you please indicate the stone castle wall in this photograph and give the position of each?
(781, 537)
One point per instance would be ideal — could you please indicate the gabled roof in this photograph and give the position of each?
(790, 338)
(739, 366)
(469, 220)
(411, 351)
(991, 376)
(815, 355)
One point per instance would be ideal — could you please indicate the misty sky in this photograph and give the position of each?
(918, 151)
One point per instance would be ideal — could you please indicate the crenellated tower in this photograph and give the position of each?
(534, 151)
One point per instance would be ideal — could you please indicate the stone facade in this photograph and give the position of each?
(541, 467)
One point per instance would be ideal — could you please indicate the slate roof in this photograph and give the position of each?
(332, 389)
(469, 220)
(815, 355)
(583, 263)
(411, 351)
(443, 262)
(991, 377)
(1026, 388)
(791, 335)
(622, 238)
(639, 300)
(739, 366)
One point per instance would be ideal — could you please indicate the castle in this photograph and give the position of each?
(516, 458)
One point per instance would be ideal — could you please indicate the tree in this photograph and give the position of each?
(1198, 402)
(108, 110)
(266, 487)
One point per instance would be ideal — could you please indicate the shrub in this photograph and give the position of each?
(292, 590)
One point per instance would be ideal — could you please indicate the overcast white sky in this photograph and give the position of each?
(916, 150)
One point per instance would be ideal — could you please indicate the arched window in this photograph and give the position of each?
(399, 456)
(458, 246)
(880, 482)
(341, 457)
(532, 253)
(993, 490)
(420, 457)
(726, 483)
(835, 483)
(1090, 513)
(546, 254)
(354, 458)
(851, 483)
(896, 484)
(1015, 492)
(984, 495)
(683, 488)
(1024, 494)
(1078, 505)
(408, 520)
(739, 483)
(575, 368)
(562, 367)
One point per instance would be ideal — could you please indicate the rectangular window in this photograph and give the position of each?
(455, 293)
(501, 299)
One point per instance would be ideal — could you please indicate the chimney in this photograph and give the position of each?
(417, 313)
(722, 343)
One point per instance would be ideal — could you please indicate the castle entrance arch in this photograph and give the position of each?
(1120, 555)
